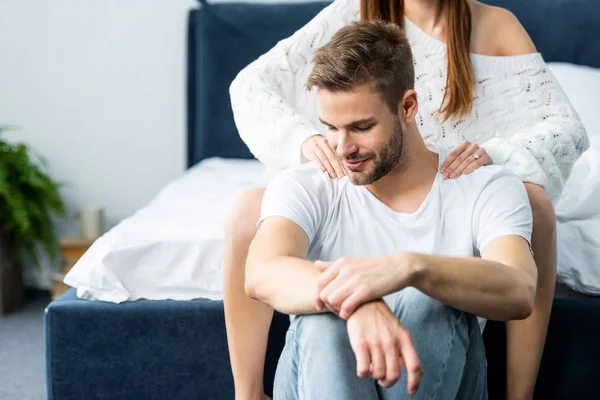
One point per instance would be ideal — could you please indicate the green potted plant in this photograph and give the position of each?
(28, 200)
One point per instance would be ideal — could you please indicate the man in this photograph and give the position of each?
(392, 254)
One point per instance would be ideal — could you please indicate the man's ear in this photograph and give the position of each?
(409, 106)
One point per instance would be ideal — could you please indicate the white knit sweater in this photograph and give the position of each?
(520, 114)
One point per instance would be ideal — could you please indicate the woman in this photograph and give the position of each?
(483, 91)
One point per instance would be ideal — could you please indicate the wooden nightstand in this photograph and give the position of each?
(71, 249)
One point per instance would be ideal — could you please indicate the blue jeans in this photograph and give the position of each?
(318, 363)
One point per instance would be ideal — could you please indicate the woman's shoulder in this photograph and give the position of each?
(498, 32)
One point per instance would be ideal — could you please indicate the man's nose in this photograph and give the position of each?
(345, 145)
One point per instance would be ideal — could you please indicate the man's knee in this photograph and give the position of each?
(324, 360)
(416, 310)
(428, 320)
(240, 226)
(315, 331)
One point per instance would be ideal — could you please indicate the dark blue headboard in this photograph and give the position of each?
(225, 37)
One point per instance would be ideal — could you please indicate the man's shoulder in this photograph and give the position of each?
(485, 178)
(496, 173)
(308, 177)
(306, 174)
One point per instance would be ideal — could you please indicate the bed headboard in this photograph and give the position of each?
(224, 37)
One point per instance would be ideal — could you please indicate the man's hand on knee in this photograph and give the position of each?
(382, 345)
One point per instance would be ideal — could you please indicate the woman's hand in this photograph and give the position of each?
(464, 159)
(317, 149)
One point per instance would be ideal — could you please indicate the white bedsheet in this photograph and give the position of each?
(578, 210)
(173, 247)
(578, 228)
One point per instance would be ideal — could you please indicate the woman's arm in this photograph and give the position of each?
(273, 117)
(545, 151)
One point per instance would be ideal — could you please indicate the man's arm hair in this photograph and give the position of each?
(277, 272)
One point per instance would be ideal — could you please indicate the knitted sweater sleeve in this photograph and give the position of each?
(545, 150)
(269, 110)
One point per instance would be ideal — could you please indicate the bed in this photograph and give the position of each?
(177, 348)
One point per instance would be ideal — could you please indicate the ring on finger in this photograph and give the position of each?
(476, 156)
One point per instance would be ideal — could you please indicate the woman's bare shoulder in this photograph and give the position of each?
(500, 30)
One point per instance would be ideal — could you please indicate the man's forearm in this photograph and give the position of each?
(288, 284)
(482, 287)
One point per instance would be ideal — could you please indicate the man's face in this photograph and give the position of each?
(367, 137)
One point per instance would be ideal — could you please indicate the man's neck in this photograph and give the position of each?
(404, 188)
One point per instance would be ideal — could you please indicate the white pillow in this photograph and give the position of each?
(578, 210)
(173, 247)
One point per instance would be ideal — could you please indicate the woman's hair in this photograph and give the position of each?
(374, 53)
(458, 96)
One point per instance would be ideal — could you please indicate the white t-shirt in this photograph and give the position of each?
(457, 218)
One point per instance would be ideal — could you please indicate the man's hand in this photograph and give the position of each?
(347, 283)
(316, 148)
(381, 345)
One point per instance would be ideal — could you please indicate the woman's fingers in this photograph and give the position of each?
(320, 164)
(325, 161)
(451, 157)
(472, 167)
(450, 172)
(468, 159)
(317, 149)
(484, 159)
(334, 160)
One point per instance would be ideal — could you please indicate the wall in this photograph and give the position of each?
(98, 89)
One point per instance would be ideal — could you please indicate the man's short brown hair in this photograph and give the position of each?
(371, 53)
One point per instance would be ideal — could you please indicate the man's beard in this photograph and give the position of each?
(390, 157)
